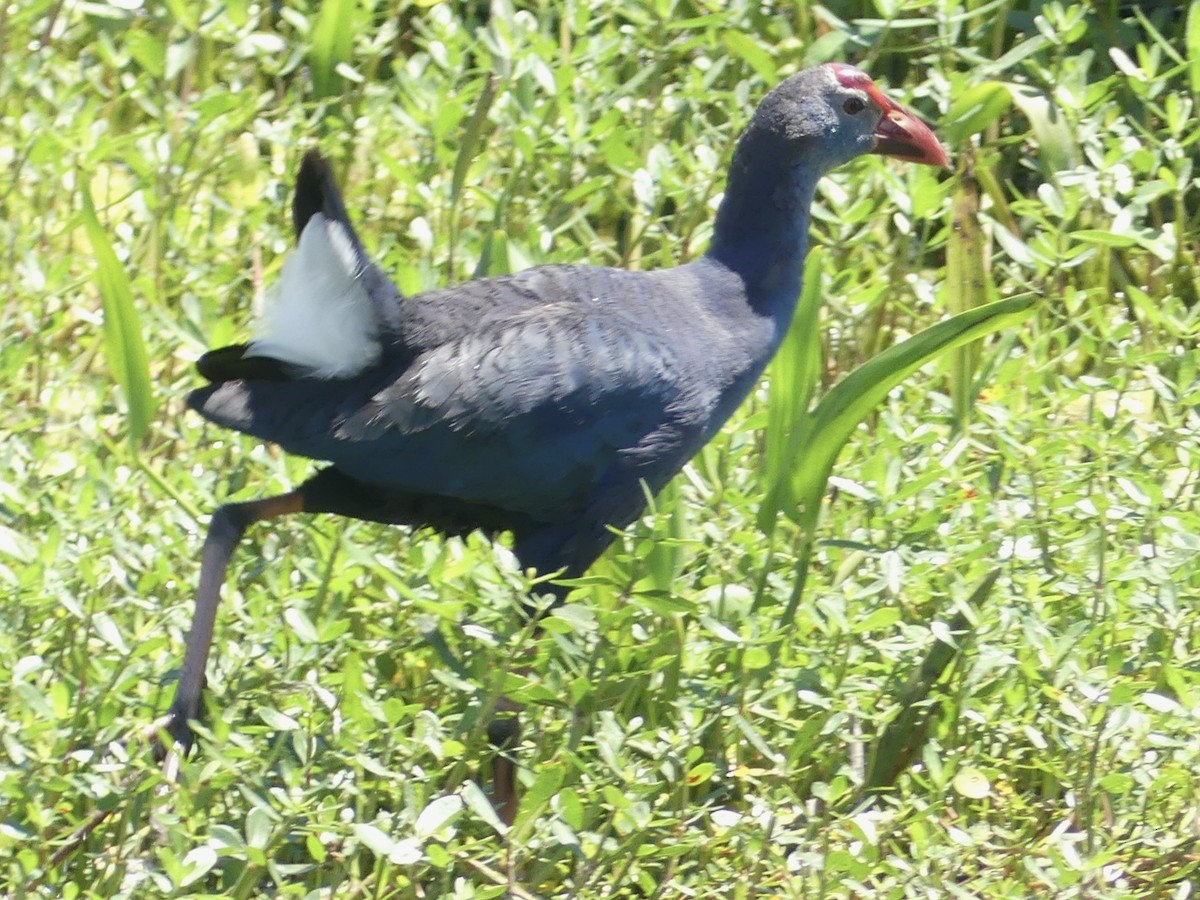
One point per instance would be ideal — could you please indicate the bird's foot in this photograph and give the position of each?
(175, 724)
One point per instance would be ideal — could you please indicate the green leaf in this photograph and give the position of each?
(793, 377)
(850, 401)
(968, 286)
(332, 40)
(1105, 238)
(197, 863)
(971, 783)
(665, 559)
(547, 783)
(982, 104)
(1116, 783)
(439, 813)
(468, 145)
(277, 720)
(751, 50)
(258, 827)
(975, 109)
(122, 330)
(901, 741)
(570, 808)
(477, 801)
(301, 625)
(1193, 46)
(374, 839)
(1056, 143)
(353, 689)
(884, 617)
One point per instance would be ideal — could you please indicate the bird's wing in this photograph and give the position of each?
(557, 361)
(534, 393)
(534, 409)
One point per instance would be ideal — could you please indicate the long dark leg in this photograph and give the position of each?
(545, 551)
(332, 492)
(504, 734)
(225, 530)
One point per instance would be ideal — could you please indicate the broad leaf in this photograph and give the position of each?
(849, 402)
(1056, 143)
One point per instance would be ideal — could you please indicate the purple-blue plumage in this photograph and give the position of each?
(543, 403)
(552, 394)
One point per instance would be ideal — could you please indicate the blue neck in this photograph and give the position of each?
(761, 230)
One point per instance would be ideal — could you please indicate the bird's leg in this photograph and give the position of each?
(504, 728)
(228, 525)
(504, 734)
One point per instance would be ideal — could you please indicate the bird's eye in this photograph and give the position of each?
(854, 106)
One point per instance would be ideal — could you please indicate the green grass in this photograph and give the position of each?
(991, 687)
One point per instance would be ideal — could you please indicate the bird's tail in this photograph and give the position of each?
(317, 192)
(331, 309)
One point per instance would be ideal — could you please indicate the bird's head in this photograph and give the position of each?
(829, 114)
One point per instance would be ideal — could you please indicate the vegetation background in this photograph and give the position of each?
(991, 683)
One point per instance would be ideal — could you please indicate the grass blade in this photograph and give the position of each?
(333, 38)
(122, 330)
(467, 150)
(793, 379)
(1193, 46)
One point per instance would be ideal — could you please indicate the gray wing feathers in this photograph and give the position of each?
(557, 361)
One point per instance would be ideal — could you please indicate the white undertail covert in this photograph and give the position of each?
(319, 315)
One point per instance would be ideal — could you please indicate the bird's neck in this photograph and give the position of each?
(761, 230)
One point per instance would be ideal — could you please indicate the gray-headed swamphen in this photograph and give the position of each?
(543, 403)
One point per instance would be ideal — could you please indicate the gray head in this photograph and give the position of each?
(830, 114)
(811, 123)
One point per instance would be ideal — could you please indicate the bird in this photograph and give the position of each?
(549, 403)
